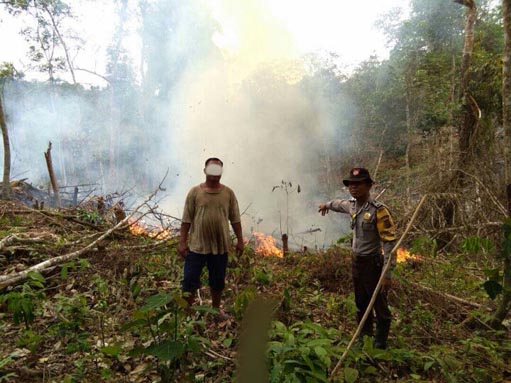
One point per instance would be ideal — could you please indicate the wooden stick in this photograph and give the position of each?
(446, 296)
(53, 180)
(10, 279)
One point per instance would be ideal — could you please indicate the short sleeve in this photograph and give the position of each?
(189, 209)
(234, 210)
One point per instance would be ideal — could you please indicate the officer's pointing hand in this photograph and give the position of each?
(323, 209)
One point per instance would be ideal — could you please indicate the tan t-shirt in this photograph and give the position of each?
(209, 213)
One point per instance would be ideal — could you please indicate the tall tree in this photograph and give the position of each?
(46, 36)
(7, 152)
(7, 71)
(506, 87)
(505, 303)
(470, 112)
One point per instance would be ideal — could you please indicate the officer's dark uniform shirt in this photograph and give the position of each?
(372, 225)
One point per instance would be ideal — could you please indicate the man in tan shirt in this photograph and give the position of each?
(205, 239)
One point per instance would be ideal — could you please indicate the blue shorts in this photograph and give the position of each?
(194, 263)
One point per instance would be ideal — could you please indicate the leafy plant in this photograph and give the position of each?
(73, 312)
(424, 246)
(301, 352)
(262, 276)
(22, 301)
(242, 300)
(158, 318)
(29, 339)
(89, 216)
(475, 244)
(4, 362)
(74, 266)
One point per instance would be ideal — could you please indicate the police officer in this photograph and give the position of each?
(373, 239)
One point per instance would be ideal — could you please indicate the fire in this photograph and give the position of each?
(136, 228)
(266, 245)
(403, 255)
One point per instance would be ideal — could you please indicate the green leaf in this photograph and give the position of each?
(34, 275)
(63, 272)
(137, 323)
(156, 301)
(428, 365)
(350, 374)
(167, 350)
(492, 288)
(113, 350)
(5, 361)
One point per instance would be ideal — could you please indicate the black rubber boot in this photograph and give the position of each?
(382, 333)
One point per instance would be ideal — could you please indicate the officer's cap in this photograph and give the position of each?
(358, 175)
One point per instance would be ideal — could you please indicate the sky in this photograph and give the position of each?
(286, 29)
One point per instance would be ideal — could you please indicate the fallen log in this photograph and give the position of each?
(447, 296)
(21, 238)
(11, 279)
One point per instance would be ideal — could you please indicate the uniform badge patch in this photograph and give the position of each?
(367, 216)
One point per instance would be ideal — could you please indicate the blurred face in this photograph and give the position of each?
(209, 177)
(359, 189)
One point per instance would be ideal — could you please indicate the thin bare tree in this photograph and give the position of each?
(7, 153)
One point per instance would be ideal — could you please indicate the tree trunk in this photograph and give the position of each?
(53, 179)
(6, 189)
(506, 88)
(409, 129)
(63, 43)
(285, 247)
(468, 119)
(115, 107)
(505, 303)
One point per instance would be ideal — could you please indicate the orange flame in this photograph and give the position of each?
(136, 228)
(266, 245)
(403, 255)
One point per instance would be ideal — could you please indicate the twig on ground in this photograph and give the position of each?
(10, 279)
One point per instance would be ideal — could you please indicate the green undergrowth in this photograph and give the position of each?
(117, 315)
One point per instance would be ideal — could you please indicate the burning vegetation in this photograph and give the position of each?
(137, 227)
(403, 255)
(266, 245)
